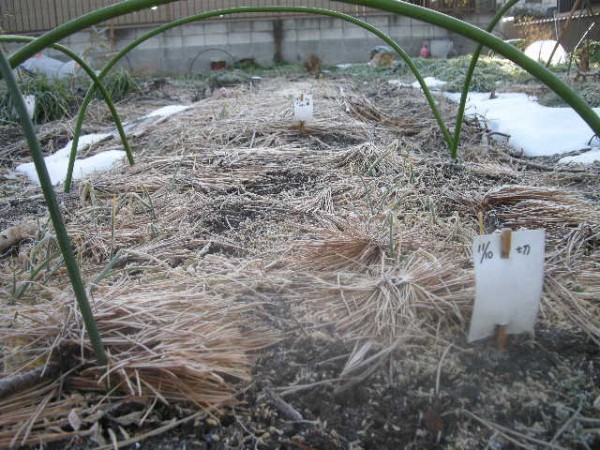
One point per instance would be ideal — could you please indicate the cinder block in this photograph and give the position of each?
(239, 26)
(289, 24)
(422, 31)
(333, 34)
(172, 41)
(440, 32)
(307, 35)
(262, 25)
(355, 32)
(238, 38)
(215, 27)
(400, 31)
(261, 37)
(398, 20)
(379, 21)
(193, 41)
(192, 29)
(153, 43)
(215, 39)
(307, 24)
(290, 36)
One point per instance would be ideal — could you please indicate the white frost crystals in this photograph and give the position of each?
(58, 162)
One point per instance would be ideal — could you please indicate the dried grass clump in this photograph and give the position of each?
(395, 301)
(528, 206)
(546, 214)
(369, 160)
(36, 416)
(323, 201)
(342, 247)
(579, 309)
(164, 342)
(510, 195)
(362, 109)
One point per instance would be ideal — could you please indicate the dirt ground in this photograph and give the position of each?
(344, 245)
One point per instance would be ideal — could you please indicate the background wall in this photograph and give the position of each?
(193, 46)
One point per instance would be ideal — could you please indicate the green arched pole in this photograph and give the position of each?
(198, 17)
(57, 222)
(97, 84)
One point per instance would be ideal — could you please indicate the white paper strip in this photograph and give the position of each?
(303, 107)
(508, 290)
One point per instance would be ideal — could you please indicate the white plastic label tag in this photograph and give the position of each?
(303, 107)
(507, 290)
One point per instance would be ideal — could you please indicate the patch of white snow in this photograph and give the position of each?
(168, 111)
(431, 82)
(588, 157)
(535, 129)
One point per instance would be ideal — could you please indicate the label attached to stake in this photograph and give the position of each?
(508, 290)
(303, 107)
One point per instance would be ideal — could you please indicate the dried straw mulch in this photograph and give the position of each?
(234, 221)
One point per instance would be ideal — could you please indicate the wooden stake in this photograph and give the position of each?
(505, 244)
(501, 337)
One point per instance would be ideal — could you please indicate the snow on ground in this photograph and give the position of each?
(431, 82)
(588, 157)
(535, 129)
(57, 163)
(167, 111)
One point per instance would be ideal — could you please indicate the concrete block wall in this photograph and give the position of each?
(192, 47)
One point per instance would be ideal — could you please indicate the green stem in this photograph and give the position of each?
(198, 17)
(107, 98)
(470, 71)
(61, 234)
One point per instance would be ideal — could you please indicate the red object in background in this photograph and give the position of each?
(218, 65)
(424, 53)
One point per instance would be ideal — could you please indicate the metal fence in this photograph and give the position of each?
(35, 16)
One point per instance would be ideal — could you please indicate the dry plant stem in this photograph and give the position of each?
(61, 233)
(282, 406)
(156, 432)
(511, 435)
(12, 385)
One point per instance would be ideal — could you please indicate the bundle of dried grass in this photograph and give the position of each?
(394, 302)
(574, 308)
(344, 246)
(362, 109)
(546, 214)
(510, 195)
(164, 341)
(369, 160)
(36, 416)
(321, 202)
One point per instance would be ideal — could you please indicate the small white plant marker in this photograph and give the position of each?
(509, 276)
(303, 108)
